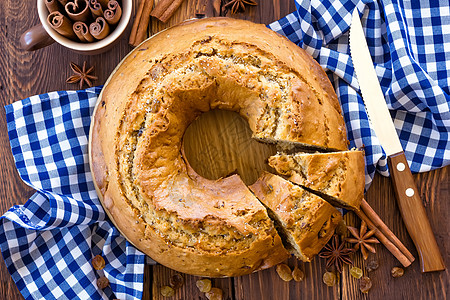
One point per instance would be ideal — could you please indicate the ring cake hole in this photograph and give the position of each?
(219, 143)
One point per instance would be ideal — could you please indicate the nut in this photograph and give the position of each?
(298, 274)
(102, 282)
(365, 284)
(98, 262)
(329, 278)
(176, 281)
(167, 291)
(214, 294)
(372, 265)
(284, 272)
(397, 272)
(204, 285)
(356, 272)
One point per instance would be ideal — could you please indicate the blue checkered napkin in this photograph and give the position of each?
(48, 242)
(410, 45)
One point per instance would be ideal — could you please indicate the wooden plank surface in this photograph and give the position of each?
(23, 74)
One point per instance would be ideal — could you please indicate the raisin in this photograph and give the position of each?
(298, 274)
(214, 294)
(176, 281)
(204, 285)
(365, 284)
(284, 272)
(102, 282)
(356, 272)
(98, 262)
(341, 228)
(329, 278)
(167, 291)
(372, 265)
(397, 272)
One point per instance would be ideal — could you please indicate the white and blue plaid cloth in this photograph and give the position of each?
(410, 46)
(48, 243)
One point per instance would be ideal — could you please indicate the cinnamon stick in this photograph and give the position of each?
(78, 29)
(99, 29)
(372, 215)
(82, 32)
(104, 3)
(141, 22)
(96, 8)
(383, 239)
(61, 24)
(52, 5)
(165, 9)
(136, 23)
(113, 13)
(78, 10)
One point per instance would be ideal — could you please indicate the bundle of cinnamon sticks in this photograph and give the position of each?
(163, 11)
(84, 20)
(384, 234)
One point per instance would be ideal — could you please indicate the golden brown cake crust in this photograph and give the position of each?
(309, 219)
(336, 174)
(150, 192)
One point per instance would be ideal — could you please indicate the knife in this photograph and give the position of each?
(408, 199)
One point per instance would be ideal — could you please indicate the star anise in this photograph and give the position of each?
(363, 239)
(81, 75)
(336, 254)
(237, 5)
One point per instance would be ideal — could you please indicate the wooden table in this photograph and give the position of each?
(23, 74)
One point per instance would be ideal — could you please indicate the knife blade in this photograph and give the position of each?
(408, 199)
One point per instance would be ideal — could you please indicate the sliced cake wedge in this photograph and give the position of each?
(304, 221)
(338, 177)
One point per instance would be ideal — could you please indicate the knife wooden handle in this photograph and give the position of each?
(414, 214)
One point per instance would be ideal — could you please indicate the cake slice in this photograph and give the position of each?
(304, 221)
(338, 177)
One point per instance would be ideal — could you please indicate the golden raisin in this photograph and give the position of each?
(329, 278)
(98, 262)
(284, 272)
(397, 272)
(365, 284)
(298, 274)
(356, 272)
(214, 294)
(102, 282)
(204, 285)
(176, 281)
(167, 291)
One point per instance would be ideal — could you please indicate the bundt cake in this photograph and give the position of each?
(183, 221)
(336, 176)
(305, 220)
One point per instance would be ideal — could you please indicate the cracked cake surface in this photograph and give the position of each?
(182, 220)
